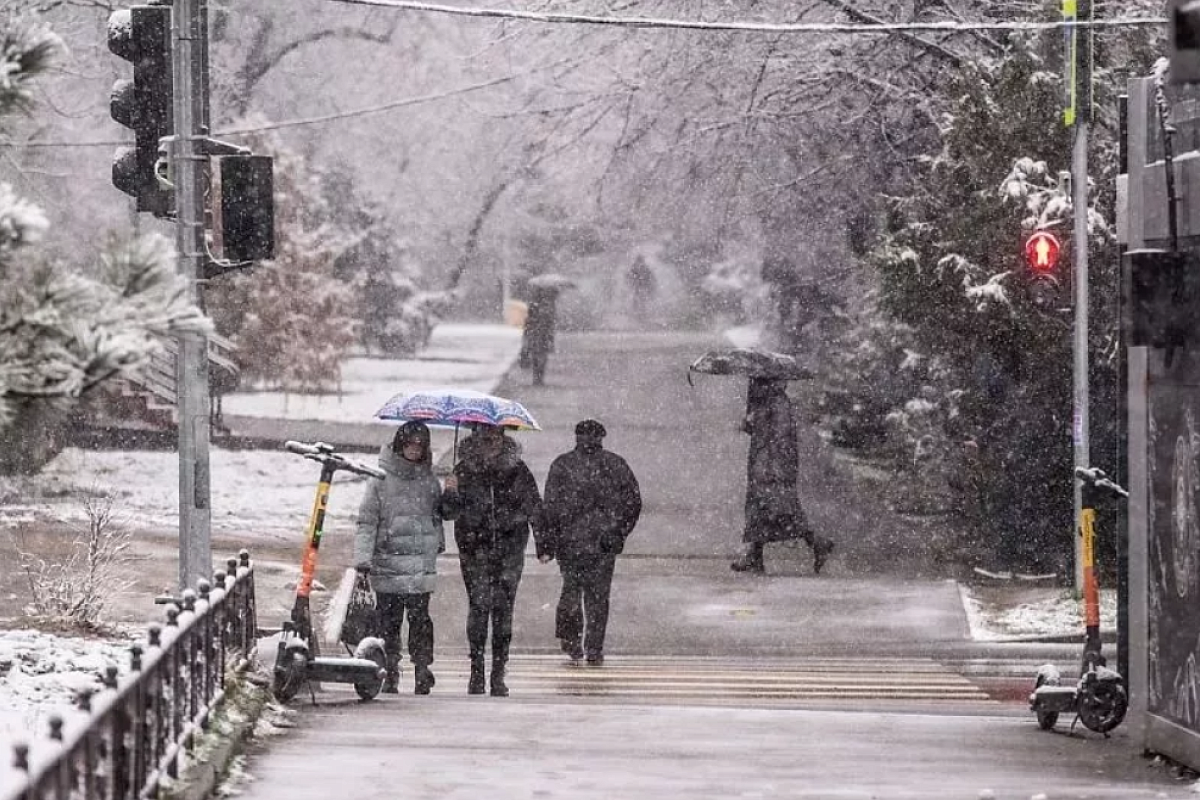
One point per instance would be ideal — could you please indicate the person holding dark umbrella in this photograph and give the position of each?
(592, 503)
(773, 511)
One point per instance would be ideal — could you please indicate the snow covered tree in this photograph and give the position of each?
(63, 333)
(291, 318)
(994, 415)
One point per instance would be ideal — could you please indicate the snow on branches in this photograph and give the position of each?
(26, 49)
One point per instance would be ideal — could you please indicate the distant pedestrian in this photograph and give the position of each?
(537, 341)
(592, 504)
(398, 540)
(642, 284)
(773, 511)
(499, 504)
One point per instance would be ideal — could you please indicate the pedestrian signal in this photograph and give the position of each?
(1041, 252)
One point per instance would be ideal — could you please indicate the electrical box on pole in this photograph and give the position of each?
(142, 36)
(243, 208)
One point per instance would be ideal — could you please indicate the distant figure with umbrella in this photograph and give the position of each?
(541, 321)
(773, 510)
(499, 504)
(592, 504)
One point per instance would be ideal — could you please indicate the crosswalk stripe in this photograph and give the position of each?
(712, 679)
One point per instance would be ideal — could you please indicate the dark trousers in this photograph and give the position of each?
(491, 581)
(582, 615)
(392, 609)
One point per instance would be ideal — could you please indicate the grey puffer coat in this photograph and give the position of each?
(400, 531)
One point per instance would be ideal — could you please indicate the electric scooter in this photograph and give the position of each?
(1098, 699)
(298, 660)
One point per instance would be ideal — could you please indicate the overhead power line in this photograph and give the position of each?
(552, 17)
(295, 123)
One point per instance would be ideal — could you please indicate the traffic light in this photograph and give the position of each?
(1183, 41)
(1041, 252)
(142, 36)
(243, 210)
(1164, 307)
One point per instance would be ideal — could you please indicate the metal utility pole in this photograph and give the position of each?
(189, 34)
(1078, 114)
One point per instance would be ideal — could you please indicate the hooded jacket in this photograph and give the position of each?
(498, 500)
(400, 531)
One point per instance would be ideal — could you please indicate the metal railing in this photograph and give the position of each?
(138, 728)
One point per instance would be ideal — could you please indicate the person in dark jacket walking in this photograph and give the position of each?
(397, 542)
(592, 504)
(499, 505)
(773, 511)
(537, 341)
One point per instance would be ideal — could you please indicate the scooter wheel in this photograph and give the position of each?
(290, 672)
(372, 649)
(1047, 676)
(1102, 705)
(1047, 719)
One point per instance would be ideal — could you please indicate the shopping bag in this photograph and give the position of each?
(362, 616)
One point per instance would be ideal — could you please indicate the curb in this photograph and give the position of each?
(216, 748)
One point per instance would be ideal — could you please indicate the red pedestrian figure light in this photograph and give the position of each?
(1041, 252)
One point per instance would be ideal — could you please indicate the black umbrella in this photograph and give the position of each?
(750, 363)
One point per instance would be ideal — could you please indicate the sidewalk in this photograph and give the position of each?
(472, 356)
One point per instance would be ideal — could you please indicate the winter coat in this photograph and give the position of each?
(498, 503)
(591, 505)
(400, 531)
(773, 511)
(540, 323)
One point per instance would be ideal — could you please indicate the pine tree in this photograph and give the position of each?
(62, 333)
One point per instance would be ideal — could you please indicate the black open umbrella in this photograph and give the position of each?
(750, 363)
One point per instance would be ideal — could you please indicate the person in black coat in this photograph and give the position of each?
(498, 505)
(592, 504)
(773, 510)
(537, 341)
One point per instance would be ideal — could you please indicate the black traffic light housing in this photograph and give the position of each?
(243, 210)
(1164, 299)
(1183, 41)
(142, 35)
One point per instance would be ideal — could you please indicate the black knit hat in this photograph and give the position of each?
(411, 432)
(590, 428)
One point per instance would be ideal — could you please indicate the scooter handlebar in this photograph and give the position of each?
(322, 452)
(1094, 476)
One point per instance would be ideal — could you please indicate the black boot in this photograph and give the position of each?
(475, 684)
(391, 681)
(499, 688)
(574, 651)
(751, 561)
(821, 550)
(424, 679)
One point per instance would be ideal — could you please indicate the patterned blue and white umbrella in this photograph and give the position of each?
(454, 407)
